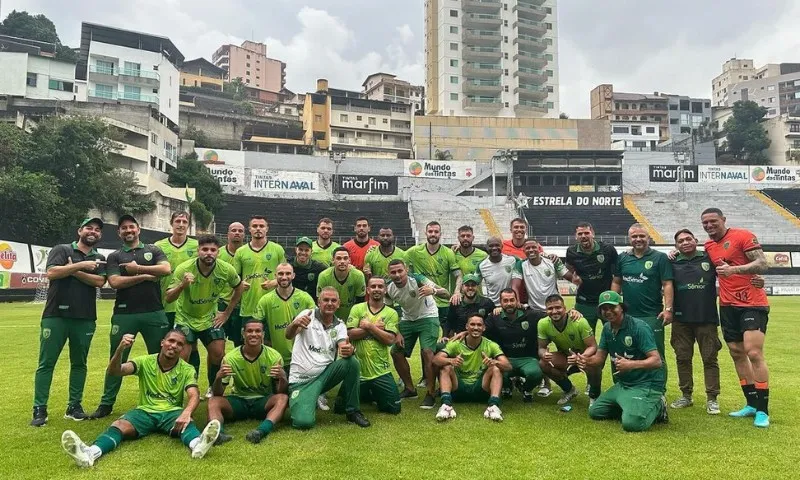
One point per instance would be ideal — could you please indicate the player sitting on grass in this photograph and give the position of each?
(259, 385)
(471, 371)
(165, 381)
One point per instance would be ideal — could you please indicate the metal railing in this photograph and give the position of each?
(130, 72)
(115, 95)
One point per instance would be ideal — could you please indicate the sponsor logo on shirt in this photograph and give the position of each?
(202, 301)
(640, 279)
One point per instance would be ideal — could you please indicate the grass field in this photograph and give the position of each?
(534, 441)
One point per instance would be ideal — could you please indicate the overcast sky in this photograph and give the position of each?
(675, 47)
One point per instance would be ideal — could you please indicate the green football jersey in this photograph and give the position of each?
(277, 313)
(379, 263)
(436, 267)
(161, 391)
(351, 288)
(176, 255)
(469, 264)
(226, 257)
(324, 255)
(197, 303)
(571, 338)
(642, 281)
(472, 369)
(251, 379)
(256, 267)
(373, 355)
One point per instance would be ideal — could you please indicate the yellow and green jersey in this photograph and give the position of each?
(436, 267)
(472, 369)
(162, 391)
(277, 313)
(373, 355)
(469, 264)
(379, 263)
(176, 254)
(251, 378)
(323, 255)
(353, 287)
(255, 267)
(226, 257)
(197, 303)
(571, 338)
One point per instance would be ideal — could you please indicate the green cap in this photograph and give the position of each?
(305, 240)
(610, 297)
(472, 277)
(96, 220)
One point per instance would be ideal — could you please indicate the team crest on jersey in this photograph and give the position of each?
(572, 336)
(148, 256)
(263, 369)
(648, 265)
(114, 329)
(706, 266)
(482, 312)
(296, 304)
(296, 393)
(628, 341)
(524, 325)
(333, 334)
(508, 268)
(726, 245)
(548, 273)
(190, 252)
(311, 277)
(217, 281)
(268, 256)
(45, 333)
(413, 293)
(601, 258)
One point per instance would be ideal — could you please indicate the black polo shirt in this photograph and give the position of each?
(68, 297)
(145, 296)
(458, 315)
(595, 268)
(695, 289)
(517, 336)
(305, 276)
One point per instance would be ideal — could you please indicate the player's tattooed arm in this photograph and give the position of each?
(758, 263)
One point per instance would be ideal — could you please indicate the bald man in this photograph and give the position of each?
(233, 328)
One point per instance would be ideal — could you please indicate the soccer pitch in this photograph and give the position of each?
(534, 441)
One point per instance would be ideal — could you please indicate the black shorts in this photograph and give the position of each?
(737, 320)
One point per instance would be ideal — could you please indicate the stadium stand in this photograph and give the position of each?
(452, 212)
(788, 198)
(556, 225)
(290, 218)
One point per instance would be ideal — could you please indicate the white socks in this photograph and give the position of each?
(194, 443)
(94, 451)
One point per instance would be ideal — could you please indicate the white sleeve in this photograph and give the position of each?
(341, 332)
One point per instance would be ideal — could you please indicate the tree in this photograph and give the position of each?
(236, 88)
(36, 27)
(192, 173)
(563, 116)
(200, 138)
(442, 155)
(746, 139)
(244, 108)
(30, 207)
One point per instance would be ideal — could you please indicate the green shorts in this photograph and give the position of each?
(383, 391)
(248, 408)
(206, 336)
(470, 392)
(589, 312)
(424, 329)
(443, 313)
(233, 327)
(171, 317)
(146, 423)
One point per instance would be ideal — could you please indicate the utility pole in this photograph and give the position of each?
(337, 158)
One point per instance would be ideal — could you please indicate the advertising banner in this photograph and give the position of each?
(672, 173)
(769, 174)
(281, 181)
(232, 158)
(445, 169)
(724, 174)
(227, 174)
(40, 254)
(796, 259)
(786, 290)
(596, 200)
(366, 185)
(27, 280)
(14, 257)
(778, 259)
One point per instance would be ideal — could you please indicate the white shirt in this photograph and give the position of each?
(497, 276)
(413, 306)
(314, 347)
(541, 281)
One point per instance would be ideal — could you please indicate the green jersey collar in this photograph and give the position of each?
(520, 313)
(126, 248)
(697, 253)
(93, 250)
(595, 248)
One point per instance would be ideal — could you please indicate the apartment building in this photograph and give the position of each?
(250, 63)
(388, 88)
(775, 86)
(203, 74)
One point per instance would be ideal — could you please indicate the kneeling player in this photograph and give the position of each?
(259, 385)
(570, 337)
(164, 382)
(471, 371)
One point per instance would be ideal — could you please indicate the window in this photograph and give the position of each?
(770, 88)
(104, 91)
(453, 63)
(453, 46)
(132, 69)
(247, 73)
(505, 6)
(650, 129)
(548, 10)
(707, 105)
(505, 56)
(506, 104)
(247, 81)
(343, 117)
(505, 88)
(30, 80)
(684, 105)
(697, 107)
(639, 144)
(358, 134)
(505, 72)
(771, 100)
(358, 118)
(154, 139)
(317, 118)
(453, 29)
(60, 85)
(104, 67)
(505, 39)
(247, 65)
(616, 105)
(385, 120)
(454, 13)
(549, 89)
(548, 25)
(621, 130)
(132, 93)
(744, 78)
(371, 120)
(505, 23)
(636, 130)
(684, 119)
(550, 105)
(248, 57)
(549, 73)
(453, 79)
(673, 106)
(454, 97)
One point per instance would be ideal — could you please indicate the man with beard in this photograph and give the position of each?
(75, 272)
(134, 271)
(497, 271)
(256, 263)
(306, 269)
(467, 256)
(196, 286)
(348, 282)
(472, 303)
(359, 245)
(515, 245)
(178, 248)
(233, 327)
(376, 263)
(592, 264)
(322, 249)
(165, 382)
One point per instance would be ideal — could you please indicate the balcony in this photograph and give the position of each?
(793, 130)
(482, 103)
(482, 6)
(530, 27)
(480, 86)
(482, 70)
(482, 37)
(793, 155)
(532, 75)
(482, 20)
(529, 12)
(531, 92)
(534, 60)
(530, 106)
(133, 152)
(482, 53)
(114, 95)
(530, 43)
(127, 75)
(532, 3)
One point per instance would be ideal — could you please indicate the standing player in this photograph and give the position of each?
(472, 303)
(196, 287)
(592, 264)
(638, 368)
(178, 248)
(233, 327)
(376, 263)
(256, 263)
(471, 371)
(135, 271)
(515, 246)
(75, 272)
(540, 276)
(372, 327)
(467, 256)
(420, 322)
(497, 270)
(743, 308)
(348, 282)
(259, 386)
(359, 245)
(306, 269)
(165, 382)
(322, 250)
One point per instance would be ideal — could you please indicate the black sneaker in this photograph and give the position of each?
(254, 436)
(75, 412)
(663, 417)
(506, 393)
(358, 418)
(222, 438)
(39, 416)
(101, 412)
(527, 397)
(428, 402)
(408, 394)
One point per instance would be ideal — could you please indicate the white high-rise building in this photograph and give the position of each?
(492, 58)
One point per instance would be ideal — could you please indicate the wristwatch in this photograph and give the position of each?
(668, 309)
